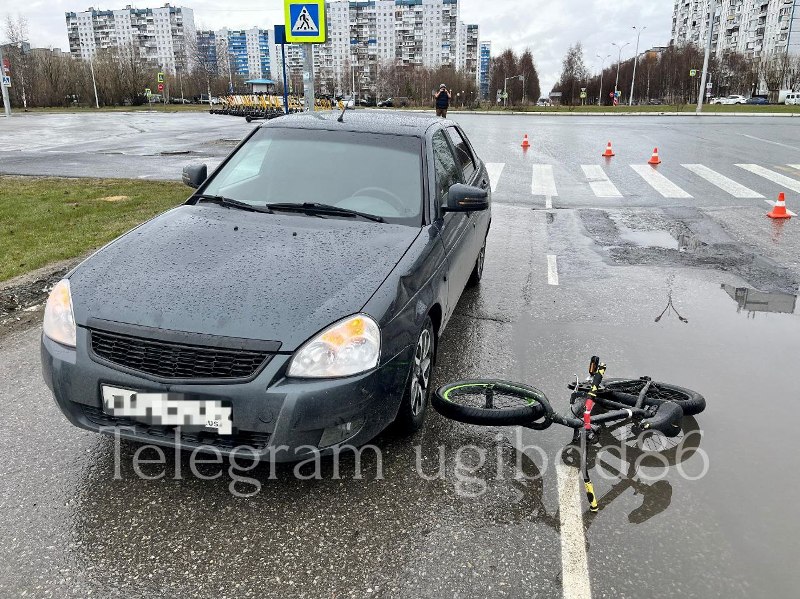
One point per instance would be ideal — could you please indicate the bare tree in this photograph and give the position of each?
(16, 32)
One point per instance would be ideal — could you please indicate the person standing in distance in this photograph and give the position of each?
(443, 101)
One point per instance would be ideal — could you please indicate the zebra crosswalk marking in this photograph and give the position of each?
(659, 182)
(778, 178)
(600, 183)
(724, 183)
(495, 169)
(543, 183)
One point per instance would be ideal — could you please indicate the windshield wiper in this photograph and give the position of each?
(223, 201)
(317, 208)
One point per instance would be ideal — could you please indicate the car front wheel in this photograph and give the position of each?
(477, 271)
(418, 390)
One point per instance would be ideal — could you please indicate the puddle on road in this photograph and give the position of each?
(657, 239)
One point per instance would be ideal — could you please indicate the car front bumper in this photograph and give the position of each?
(276, 417)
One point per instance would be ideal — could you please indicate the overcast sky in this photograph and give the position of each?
(547, 27)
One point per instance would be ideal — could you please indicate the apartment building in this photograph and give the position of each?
(484, 69)
(755, 28)
(158, 35)
(248, 51)
(364, 35)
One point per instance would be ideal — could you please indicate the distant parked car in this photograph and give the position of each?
(367, 102)
(734, 99)
(544, 102)
(716, 100)
(655, 102)
(792, 99)
(400, 102)
(758, 100)
(179, 101)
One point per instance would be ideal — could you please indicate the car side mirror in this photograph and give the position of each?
(195, 174)
(465, 198)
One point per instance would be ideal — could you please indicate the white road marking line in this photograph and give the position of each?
(574, 562)
(769, 141)
(548, 202)
(794, 166)
(659, 182)
(599, 181)
(781, 180)
(495, 169)
(771, 203)
(543, 184)
(724, 183)
(552, 270)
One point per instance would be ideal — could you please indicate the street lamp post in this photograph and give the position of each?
(712, 10)
(94, 82)
(619, 61)
(505, 87)
(635, 60)
(602, 72)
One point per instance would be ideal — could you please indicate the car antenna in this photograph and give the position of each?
(344, 108)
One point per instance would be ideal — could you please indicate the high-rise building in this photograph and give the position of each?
(157, 35)
(207, 50)
(248, 51)
(484, 69)
(365, 35)
(755, 28)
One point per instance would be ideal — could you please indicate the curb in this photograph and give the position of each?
(622, 114)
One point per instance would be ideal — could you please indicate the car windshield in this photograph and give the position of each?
(373, 174)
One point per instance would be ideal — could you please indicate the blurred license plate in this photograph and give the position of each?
(158, 408)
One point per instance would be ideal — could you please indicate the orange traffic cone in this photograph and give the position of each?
(654, 159)
(525, 143)
(609, 152)
(779, 210)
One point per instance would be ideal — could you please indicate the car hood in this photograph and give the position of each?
(218, 271)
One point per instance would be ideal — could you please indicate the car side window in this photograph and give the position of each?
(448, 171)
(463, 153)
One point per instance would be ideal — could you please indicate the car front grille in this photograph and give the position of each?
(258, 441)
(169, 360)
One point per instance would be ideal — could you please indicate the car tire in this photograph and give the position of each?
(477, 270)
(417, 396)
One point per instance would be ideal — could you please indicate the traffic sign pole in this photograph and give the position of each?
(308, 77)
(6, 101)
(306, 25)
(712, 11)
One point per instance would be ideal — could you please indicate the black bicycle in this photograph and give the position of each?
(641, 410)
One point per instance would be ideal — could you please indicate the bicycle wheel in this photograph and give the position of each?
(490, 403)
(627, 391)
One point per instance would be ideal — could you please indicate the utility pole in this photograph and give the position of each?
(635, 61)
(712, 9)
(602, 72)
(619, 63)
(94, 83)
(4, 89)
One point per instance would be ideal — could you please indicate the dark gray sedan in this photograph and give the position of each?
(292, 305)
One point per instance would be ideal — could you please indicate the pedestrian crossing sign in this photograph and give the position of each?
(305, 21)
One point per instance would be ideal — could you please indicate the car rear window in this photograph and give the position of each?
(371, 173)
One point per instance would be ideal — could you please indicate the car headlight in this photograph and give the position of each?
(350, 346)
(59, 320)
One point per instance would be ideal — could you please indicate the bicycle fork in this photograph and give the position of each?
(587, 482)
(597, 370)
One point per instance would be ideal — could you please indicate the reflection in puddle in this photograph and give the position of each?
(753, 301)
(670, 306)
(657, 239)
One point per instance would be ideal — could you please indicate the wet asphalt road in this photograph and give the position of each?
(71, 528)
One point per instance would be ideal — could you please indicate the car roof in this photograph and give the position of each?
(367, 121)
